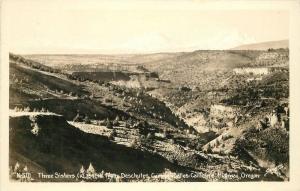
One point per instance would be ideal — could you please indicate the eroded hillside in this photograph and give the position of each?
(200, 112)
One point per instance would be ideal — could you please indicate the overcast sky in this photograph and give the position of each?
(103, 28)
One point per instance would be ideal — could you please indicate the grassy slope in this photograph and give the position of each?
(37, 85)
(34, 92)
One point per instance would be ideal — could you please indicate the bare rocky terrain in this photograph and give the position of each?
(207, 115)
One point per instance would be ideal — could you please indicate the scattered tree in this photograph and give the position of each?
(91, 170)
(116, 121)
(43, 109)
(109, 124)
(87, 119)
(27, 109)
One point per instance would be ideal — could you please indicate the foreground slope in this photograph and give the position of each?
(55, 146)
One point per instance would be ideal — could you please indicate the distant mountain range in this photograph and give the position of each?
(264, 45)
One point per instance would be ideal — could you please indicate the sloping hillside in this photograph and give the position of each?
(54, 143)
(56, 92)
(194, 119)
(264, 45)
(48, 143)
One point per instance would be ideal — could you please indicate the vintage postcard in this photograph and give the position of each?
(149, 91)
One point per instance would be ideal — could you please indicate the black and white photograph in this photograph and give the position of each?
(114, 92)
